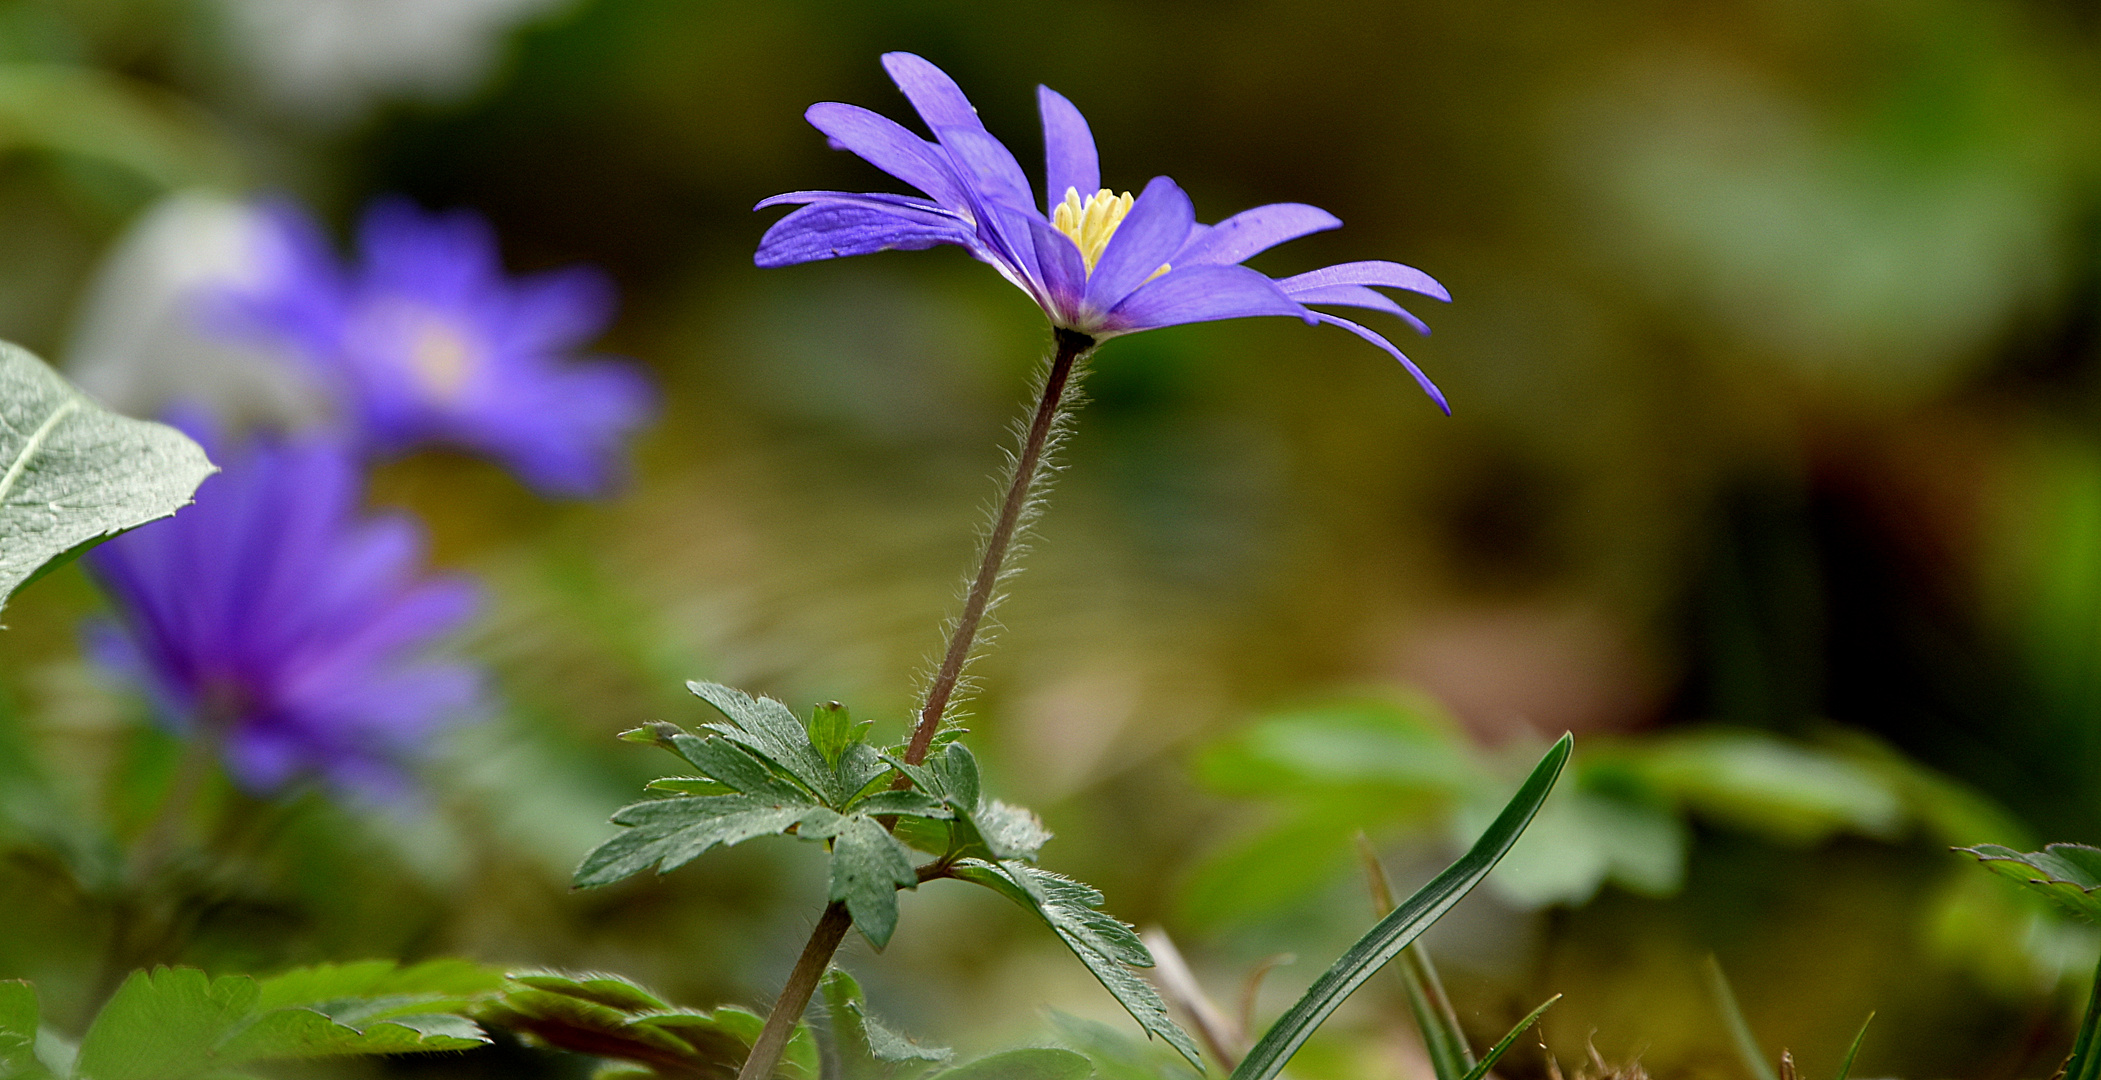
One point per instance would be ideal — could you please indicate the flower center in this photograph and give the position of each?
(1090, 224)
(440, 356)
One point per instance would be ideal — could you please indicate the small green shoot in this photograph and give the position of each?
(1747, 1049)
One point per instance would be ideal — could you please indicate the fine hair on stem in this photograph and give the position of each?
(1031, 463)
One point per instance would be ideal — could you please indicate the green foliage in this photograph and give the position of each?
(1029, 1063)
(175, 1023)
(1407, 922)
(1740, 1036)
(2069, 874)
(73, 474)
(611, 1017)
(1845, 1068)
(1401, 765)
(763, 773)
(1503, 1045)
(866, 1049)
(1109, 948)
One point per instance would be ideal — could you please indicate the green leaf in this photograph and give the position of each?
(868, 1050)
(427, 982)
(1443, 1038)
(771, 730)
(308, 1032)
(985, 828)
(2085, 1060)
(1845, 1068)
(739, 767)
(1107, 947)
(908, 803)
(669, 833)
(1404, 925)
(832, 730)
(611, 1017)
(1503, 1045)
(868, 867)
(2067, 873)
(1035, 1063)
(19, 1017)
(1747, 1049)
(164, 1024)
(73, 475)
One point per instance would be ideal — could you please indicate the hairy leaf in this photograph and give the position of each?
(867, 1050)
(1034, 1063)
(73, 475)
(669, 833)
(1407, 922)
(1107, 947)
(868, 867)
(2067, 873)
(771, 730)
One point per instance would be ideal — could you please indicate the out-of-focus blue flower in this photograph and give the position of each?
(275, 619)
(427, 340)
(1097, 263)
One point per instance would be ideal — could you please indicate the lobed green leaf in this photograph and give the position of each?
(668, 833)
(868, 867)
(1108, 947)
(2069, 874)
(770, 729)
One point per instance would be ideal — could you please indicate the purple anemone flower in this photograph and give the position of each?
(274, 619)
(1097, 263)
(427, 340)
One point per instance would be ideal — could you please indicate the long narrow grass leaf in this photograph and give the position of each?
(1503, 1045)
(1845, 1068)
(1396, 931)
(2085, 1062)
(1443, 1039)
(1739, 1028)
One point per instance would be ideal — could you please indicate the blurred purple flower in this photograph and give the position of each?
(1097, 263)
(274, 619)
(427, 340)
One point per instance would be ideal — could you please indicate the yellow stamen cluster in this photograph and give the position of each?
(1090, 224)
(441, 356)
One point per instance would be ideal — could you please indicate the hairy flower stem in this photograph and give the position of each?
(832, 926)
(1028, 468)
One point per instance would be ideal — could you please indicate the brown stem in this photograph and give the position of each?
(831, 928)
(795, 997)
(1071, 346)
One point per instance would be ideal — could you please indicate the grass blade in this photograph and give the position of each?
(2085, 1062)
(1443, 1039)
(1396, 931)
(1845, 1067)
(1739, 1028)
(1503, 1044)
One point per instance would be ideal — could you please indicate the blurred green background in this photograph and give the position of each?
(1774, 472)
